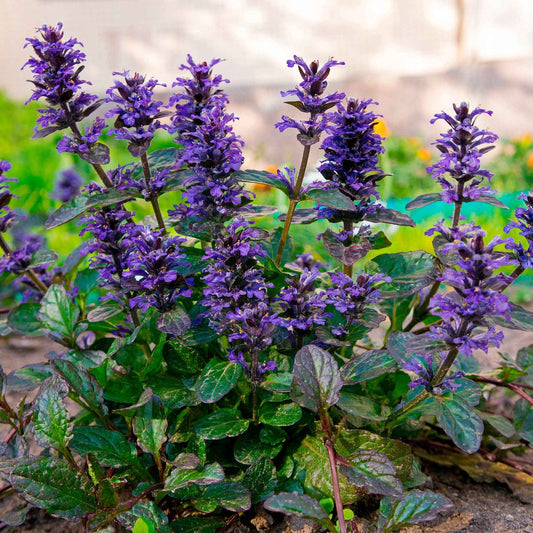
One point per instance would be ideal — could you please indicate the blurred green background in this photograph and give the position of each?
(37, 165)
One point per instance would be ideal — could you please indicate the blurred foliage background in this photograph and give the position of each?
(37, 166)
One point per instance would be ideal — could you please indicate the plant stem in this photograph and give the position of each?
(153, 198)
(34, 279)
(458, 204)
(348, 227)
(515, 387)
(255, 380)
(409, 406)
(292, 205)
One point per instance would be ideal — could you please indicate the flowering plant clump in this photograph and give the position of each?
(213, 371)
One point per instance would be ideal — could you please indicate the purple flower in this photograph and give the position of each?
(111, 242)
(121, 178)
(310, 99)
(67, 185)
(351, 165)
(287, 176)
(201, 91)
(213, 152)
(461, 150)
(153, 269)
(302, 307)
(136, 111)
(84, 145)
(235, 296)
(56, 70)
(7, 217)
(524, 224)
(425, 367)
(476, 293)
(350, 298)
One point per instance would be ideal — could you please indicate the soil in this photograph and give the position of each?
(478, 507)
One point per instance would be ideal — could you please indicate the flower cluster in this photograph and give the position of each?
(7, 217)
(425, 367)
(201, 91)
(67, 185)
(111, 230)
(476, 294)
(153, 269)
(213, 153)
(121, 178)
(86, 144)
(236, 291)
(350, 298)
(302, 307)
(524, 224)
(136, 111)
(56, 76)
(310, 99)
(461, 150)
(351, 159)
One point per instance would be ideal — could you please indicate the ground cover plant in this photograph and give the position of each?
(204, 370)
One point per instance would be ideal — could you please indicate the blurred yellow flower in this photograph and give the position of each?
(423, 154)
(273, 169)
(415, 141)
(381, 128)
(529, 160)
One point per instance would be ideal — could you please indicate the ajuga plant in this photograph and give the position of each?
(210, 371)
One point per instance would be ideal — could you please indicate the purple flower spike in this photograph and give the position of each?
(56, 75)
(310, 99)
(476, 293)
(351, 165)
(7, 217)
(136, 111)
(351, 297)
(524, 224)
(461, 150)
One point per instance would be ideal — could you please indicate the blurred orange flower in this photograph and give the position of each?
(423, 154)
(381, 128)
(529, 160)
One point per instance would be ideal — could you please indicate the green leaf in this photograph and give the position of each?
(302, 216)
(50, 484)
(261, 176)
(230, 495)
(172, 391)
(368, 365)
(23, 319)
(67, 212)
(111, 196)
(87, 359)
(272, 243)
(391, 216)
(217, 379)
(51, 426)
(280, 414)
(460, 422)
(221, 424)
(492, 200)
(423, 200)
(499, 423)
(43, 257)
(198, 335)
(143, 526)
(249, 447)
(379, 240)
(331, 198)
(347, 255)
(415, 507)
(104, 312)
(180, 477)
(313, 469)
(197, 524)
(150, 426)
(397, 309)
(82, 382)
(58, 314)
(361, 406)
(396, 451)
(111, 447)
(86, 280)
(317, 374)
(147, 511)
(374, 472)
(260, 479)
(409, 271)
(523, 420)
(107, 495)
(302, 505)
(520, 319)
(175, 322)
(98, 154)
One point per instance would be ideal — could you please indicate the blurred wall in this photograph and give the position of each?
(415, 56)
